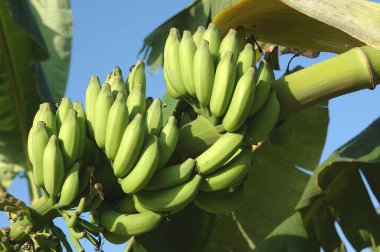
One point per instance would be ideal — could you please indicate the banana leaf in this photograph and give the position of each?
(337, 193)
(22, 83)
(332, 26)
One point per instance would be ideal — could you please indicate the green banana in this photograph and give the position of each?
(129, 225)
(81, 116)
(92, 93)
(70, 186)
(240, 32)
(246, 60)
(171, 176)
(167, 200)
(117, 82)
(144, 169)
(265, 77)
(264, 121)
(117, 122)
(102, 108)
(62, 111)
(203, 73)
(69, 134)
(30, 135)
(213, 37)
(173, 93)
(130, 147)
(198, 34)
(234, 171)
(114, 238)
(283, 132)
(153, 118)
(53, 167)
(224, 85)
(137, 76)
(40, 140)
(171, 60)
(136, 101)
(241, 102)
(230, 43)
(220, 202)
(46, 115)
(108, 79)
(167, 141)
(187, 50)
(126, 205)
(211, 159)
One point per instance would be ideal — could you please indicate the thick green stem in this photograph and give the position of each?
(351, 71)
(42, 212)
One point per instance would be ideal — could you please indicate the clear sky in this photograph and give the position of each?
(110, 33)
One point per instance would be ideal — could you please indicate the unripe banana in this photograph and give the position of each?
(224, 85)
(203, 73)
(62, 111)
(40, 140)
(211, 160)
(129, 225)
(92, 93)
(126, 205)
(171, 176)
(130, 147)
(144, 169)
(265, 77)
(81, 117)
(46, 115)
(102, 108)
(114, 238)
(171, 60)
(136, 101)
(108, 79)
(187, 50)
(241, 102)
(36, 116)
(30, 135)
(198, 34)
(263, 122)
(213, 37)
(117, 82)
(240, 31)
(231, 173)
(173, 93)
(117, 122)
(137, 76)
(220, 202)
(167, 200)
(167, 141)
(69, 134)
(53, 167)
(70, 186)
(153, 118)
(246, 60)
(230, 43)
(283, 132)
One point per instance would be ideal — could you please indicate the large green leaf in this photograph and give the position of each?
(55, 23)
(22, 82)
(199, 13)
(337, 186)
(274, 184)
(333, 26)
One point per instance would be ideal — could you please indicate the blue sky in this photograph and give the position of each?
(109, 34)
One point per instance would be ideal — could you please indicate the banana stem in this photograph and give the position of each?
(351, 71)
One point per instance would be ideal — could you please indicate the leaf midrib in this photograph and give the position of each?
(12, 81)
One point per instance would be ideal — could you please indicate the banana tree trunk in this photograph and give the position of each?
(356, 69)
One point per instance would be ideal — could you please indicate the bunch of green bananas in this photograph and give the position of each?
(56, 145)
(218, 77)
